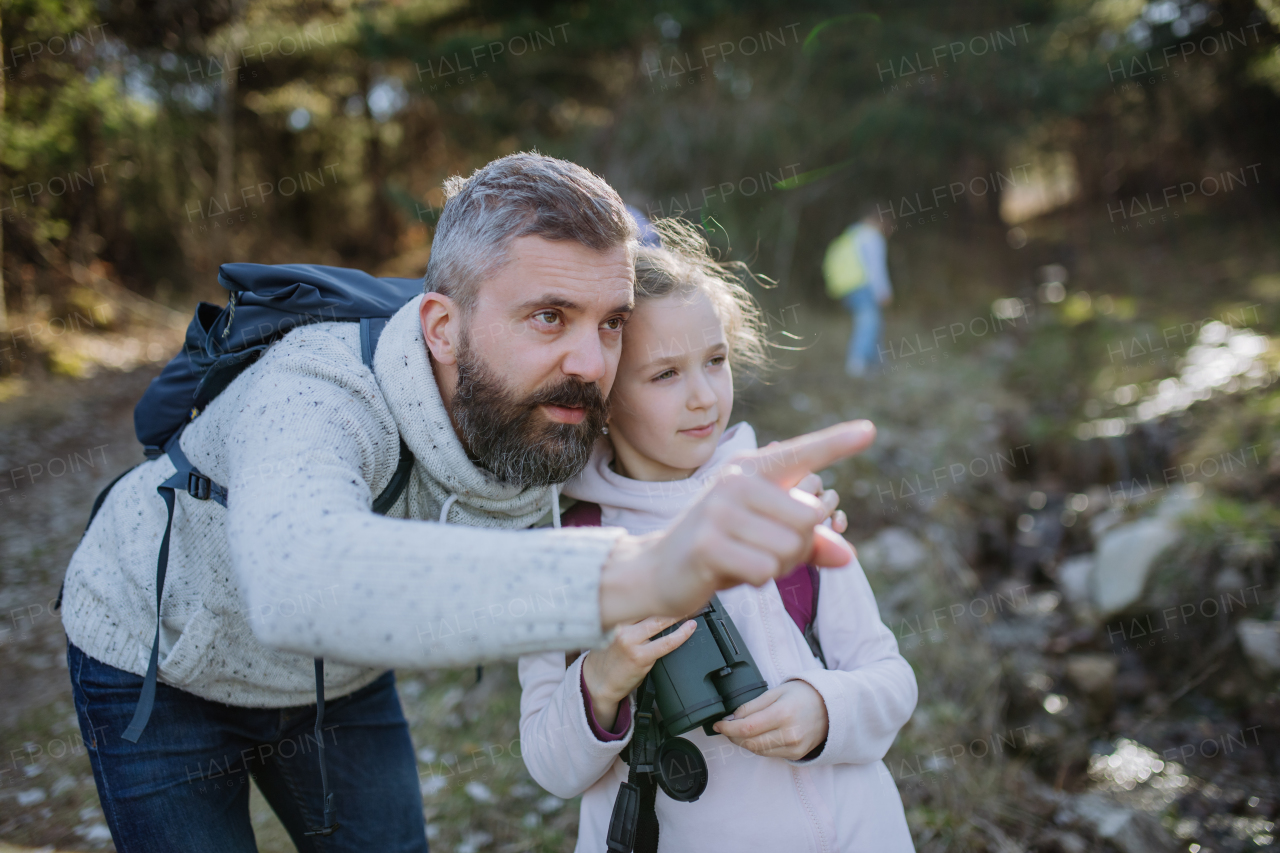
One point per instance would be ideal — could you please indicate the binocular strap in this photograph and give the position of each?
(633, 827)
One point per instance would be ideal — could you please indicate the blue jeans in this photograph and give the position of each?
(185, 785)
(864, 343)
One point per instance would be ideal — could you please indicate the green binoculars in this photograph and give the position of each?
(707, 677)
(704, 679)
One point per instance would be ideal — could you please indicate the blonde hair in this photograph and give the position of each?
(684, 265)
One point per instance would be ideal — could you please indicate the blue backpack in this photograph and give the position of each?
(266, 302)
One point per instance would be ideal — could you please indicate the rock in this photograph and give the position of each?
(1104, 521)
(1125, 556)
(1075, 576)
(894, 550)
(1019, 634)
(1056, 841)
(1261, 643)
(1129, 830)
(1093, 675)
(1229, 579)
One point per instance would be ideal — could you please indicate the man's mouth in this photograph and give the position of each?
(700, 432)
(565, 414)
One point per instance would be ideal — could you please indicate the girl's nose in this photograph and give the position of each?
(701, 394)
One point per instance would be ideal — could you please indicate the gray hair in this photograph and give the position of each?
(519, 195)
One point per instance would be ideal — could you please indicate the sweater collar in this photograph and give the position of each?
(443, 469)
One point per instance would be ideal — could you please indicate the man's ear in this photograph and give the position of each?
(440, 326)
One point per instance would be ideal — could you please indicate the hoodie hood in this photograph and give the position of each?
(442, 470)
(641, 506)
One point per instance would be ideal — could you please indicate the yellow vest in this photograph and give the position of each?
(842, 266)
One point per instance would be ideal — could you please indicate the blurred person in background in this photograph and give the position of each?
(857, 275)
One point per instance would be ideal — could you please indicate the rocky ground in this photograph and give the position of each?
(1072, 534)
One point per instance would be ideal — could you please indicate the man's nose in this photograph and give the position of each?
(585, 358)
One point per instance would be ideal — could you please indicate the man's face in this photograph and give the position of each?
(537, 358)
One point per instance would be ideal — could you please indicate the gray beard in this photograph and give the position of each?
(507, 436)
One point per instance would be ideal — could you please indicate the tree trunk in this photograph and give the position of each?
(220, 243)
(4, 313)
(784, 248)
(384, 229)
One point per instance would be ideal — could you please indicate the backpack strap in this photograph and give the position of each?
(200, 487)
(370, 331)
(810, 634)
(326, 795)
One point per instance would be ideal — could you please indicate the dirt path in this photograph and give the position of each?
(62, 442)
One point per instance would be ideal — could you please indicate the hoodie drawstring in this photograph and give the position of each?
(555, 507)
(448, 505)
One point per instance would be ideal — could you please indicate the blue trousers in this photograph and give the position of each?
(864, 343)
(185, 785)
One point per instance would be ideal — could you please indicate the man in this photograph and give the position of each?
(496, 379)
(857, 274)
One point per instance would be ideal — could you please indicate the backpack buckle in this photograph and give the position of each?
(199, 486)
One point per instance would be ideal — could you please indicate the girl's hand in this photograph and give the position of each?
(788, 721)
(611, 675)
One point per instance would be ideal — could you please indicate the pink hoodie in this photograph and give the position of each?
(844, 799)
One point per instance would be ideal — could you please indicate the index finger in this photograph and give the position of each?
(645, 629)
(787, 462)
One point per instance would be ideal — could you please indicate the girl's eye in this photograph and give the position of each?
(665, 375)
(716, 361)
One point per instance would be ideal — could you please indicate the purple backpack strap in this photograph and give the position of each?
(581, 514)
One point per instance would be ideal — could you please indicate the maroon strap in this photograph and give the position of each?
(796, 589)
(581, 514)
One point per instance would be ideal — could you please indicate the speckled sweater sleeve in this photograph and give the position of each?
(300, 455)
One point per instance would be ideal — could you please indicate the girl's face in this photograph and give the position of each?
(674, 389)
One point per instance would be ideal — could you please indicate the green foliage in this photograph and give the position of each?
(688, 107)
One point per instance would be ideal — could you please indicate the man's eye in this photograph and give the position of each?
(614, 324)
(548, 317)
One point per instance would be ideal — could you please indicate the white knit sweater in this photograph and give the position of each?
(298, 566)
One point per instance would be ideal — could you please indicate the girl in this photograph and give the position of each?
(799, 767)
